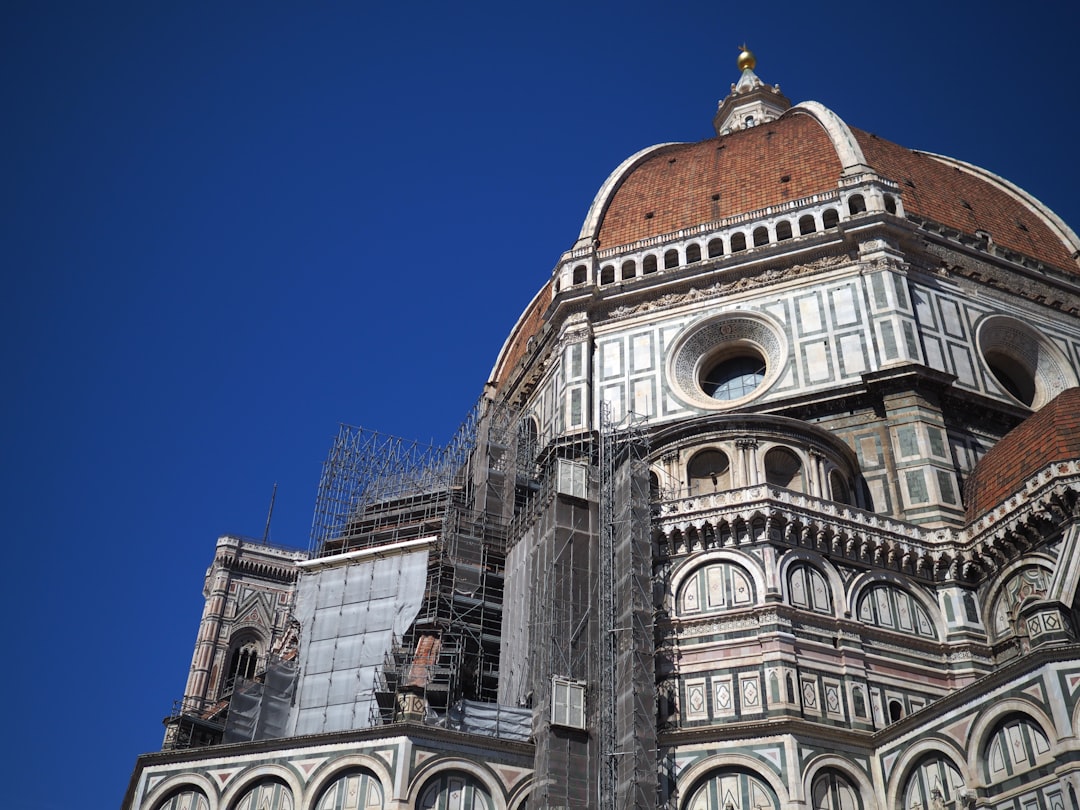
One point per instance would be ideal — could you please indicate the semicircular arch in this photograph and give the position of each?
(907, 762)
(178, 782)
(327, 773)
(251, 778)
(696, 562)
(445, 766)
(701, 770)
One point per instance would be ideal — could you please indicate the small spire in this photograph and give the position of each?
(751, 101)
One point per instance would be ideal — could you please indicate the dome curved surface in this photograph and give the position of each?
(804, 152)
(808, 150)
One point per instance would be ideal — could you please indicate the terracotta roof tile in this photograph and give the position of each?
(1052, 434)
(946, 194)
(743, 170)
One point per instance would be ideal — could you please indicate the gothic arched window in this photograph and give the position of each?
(457, 790)
(716, 587)
(269, 794)
(935, 784)
(733, 790)
(832, 791)
(243, 662)
(808, 589)
(894, 609)
(1016, 746)
(359, 789)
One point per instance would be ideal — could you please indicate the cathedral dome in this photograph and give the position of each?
(809, 150)
(771, 159)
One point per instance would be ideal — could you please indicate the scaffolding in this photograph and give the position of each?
(627, 716)
(378, 491)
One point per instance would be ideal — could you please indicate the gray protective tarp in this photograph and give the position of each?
(490, 719)
(349, 617)
(260, 711)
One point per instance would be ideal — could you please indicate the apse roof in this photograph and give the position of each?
(1050, 435)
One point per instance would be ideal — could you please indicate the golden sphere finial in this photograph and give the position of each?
(746, 59)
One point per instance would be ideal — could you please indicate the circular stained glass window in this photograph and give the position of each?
(733, 377)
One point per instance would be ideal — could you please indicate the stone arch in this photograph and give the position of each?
(248, 779)
(912, 757)
(824, 762)
(996, 591)
(445, 766)
(177, 782)
(518, 797)
(324, 775)
(795, 557)
(862, 583)
(695, 562)
(699, 771)
(979, 737)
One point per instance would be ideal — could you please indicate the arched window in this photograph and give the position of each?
(783, 469)
(830, 219)
(693, 253)
(186, 798)
(894, 609)
(890, 203)
(761, 236)
(1027, 583)
(807, 224)
(528, 441)
(581, 274)
(629, 270)
(650, 264)
(359, 789)
(243, 662)
(733, 790)
(783, 230)
(708, 471)
(833, 791)
(671, 259)
(808, 589)
(935, 784)
(456, 790)
(716, 587)
(607, 274)
(716, 248)
(838, 487)
(268, 794)
(856, 204)
(738, 242)
(1016, 746)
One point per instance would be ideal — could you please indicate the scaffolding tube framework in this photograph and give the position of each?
(626, 717)
(377, 490)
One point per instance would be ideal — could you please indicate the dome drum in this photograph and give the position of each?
(788, 224)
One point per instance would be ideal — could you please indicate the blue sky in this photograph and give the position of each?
(228, 227)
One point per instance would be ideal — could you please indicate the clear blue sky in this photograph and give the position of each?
(227, 227)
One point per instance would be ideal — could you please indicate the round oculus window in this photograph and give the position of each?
(1023, 364)
(727, 360)
(733, 377)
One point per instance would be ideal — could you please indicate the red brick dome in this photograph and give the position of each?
(807, 151)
